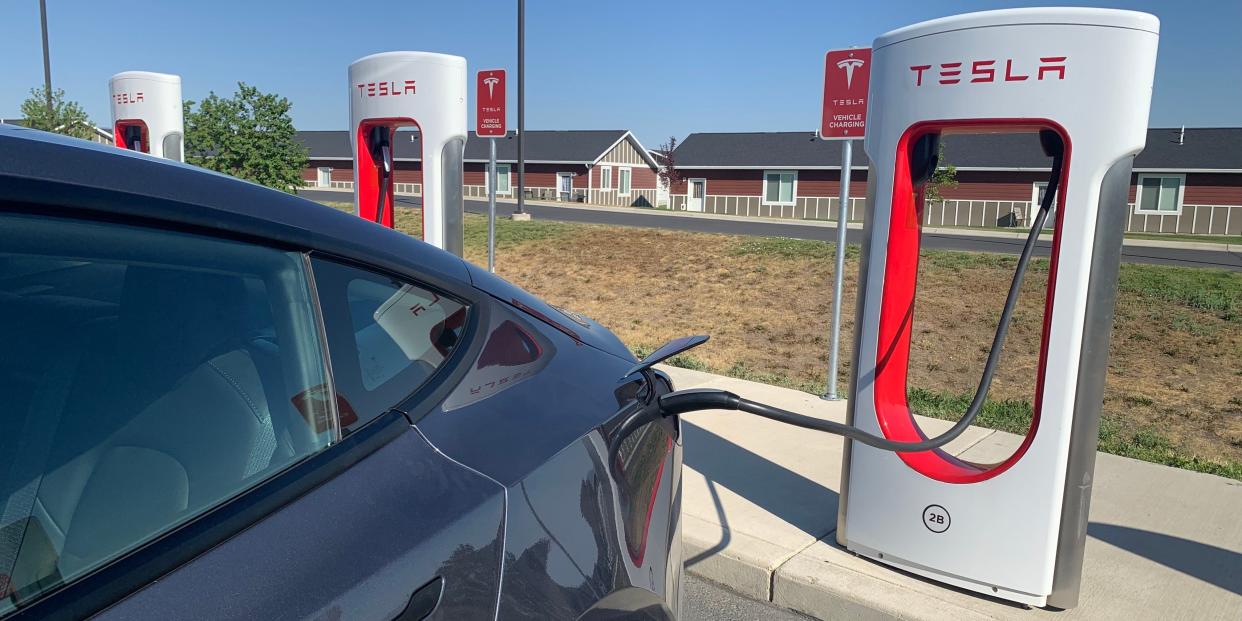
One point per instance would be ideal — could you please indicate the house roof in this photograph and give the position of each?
(1202, 149)
(561, 147)
(325, 144)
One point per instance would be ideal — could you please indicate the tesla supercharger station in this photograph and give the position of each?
(410, 89)
(146, 113)
(1015, 529)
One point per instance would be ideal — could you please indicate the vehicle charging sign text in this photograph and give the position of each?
(489, 95)
(847, 73)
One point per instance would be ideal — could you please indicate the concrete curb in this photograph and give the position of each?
(1134, 242)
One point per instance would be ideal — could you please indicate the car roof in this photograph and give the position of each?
(40, 168)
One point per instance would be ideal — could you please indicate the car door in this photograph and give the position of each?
(189, 449)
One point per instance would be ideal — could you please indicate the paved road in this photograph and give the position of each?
(705, 601)
(1131, 254)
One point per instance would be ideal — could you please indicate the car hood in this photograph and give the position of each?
(576, 325)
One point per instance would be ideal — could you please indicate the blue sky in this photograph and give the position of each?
(660, 68)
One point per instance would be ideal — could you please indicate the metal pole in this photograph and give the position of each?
(838, 276)
(47, 64)
(491, 207)
(521, 102)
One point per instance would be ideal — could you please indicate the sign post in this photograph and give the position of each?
(489, 96)
(847, 74)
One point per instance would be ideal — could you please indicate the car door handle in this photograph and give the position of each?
(423, 602)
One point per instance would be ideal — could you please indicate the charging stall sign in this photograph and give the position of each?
(847, 74)
(489, 95)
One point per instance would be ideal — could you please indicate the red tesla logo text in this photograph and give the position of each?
(986, 71)
(127, 98)
(385, 89)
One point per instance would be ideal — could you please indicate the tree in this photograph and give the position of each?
(944, 178)
(668, 168)
(249, 136)
(67, 116)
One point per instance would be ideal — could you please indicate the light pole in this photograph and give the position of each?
(521, 105)
(47, 62)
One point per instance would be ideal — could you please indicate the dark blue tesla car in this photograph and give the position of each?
(219, 401)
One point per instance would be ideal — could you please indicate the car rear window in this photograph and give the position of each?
(148, 376)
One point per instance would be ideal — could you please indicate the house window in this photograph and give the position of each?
(503, 178)
(325, 177)
(779, 187)
(623, 181)
(605, 177)
(1160, 194)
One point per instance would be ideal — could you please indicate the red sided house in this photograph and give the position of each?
(1186, 181)
(601, 167)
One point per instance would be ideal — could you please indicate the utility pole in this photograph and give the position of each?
(47, 62)
(521, 102)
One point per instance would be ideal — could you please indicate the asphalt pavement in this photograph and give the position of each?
(1183, 257)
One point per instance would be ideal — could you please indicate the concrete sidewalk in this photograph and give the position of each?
(760, 511)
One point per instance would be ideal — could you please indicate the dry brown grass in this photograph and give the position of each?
(1174, 368)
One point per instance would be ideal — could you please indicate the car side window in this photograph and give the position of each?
(148, 376)
(386, 337)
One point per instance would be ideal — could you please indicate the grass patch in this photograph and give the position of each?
(1137, 400)
(1149, 445)
(339, 205)
(789, 248)
(1012, 415)
(510, 233)
(1216, 291)
(959, 261)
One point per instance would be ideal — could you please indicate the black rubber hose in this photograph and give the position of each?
(694, 400)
